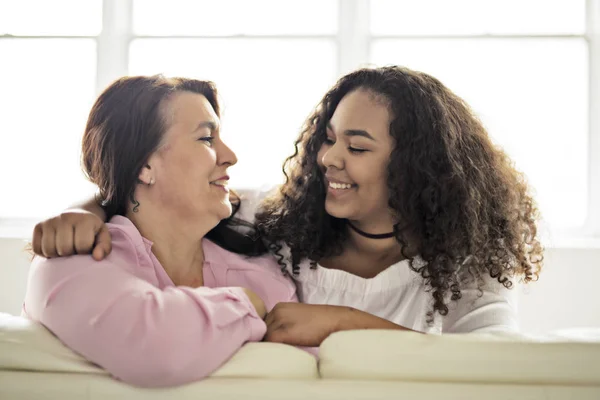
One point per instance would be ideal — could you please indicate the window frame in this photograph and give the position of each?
(353, 40)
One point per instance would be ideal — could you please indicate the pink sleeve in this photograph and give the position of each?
(139, 333)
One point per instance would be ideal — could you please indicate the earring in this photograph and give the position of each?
(151, 182)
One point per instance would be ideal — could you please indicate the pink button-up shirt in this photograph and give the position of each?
(125, 314)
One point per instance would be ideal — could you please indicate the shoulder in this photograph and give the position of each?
(487, 305)
(124, 234)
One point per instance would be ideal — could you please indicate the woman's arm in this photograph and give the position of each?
(309, 324)
(91, 205)
(78, 230)
(139, 333)
(352, 318)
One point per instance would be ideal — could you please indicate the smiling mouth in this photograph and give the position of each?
(222, 183)
(340, 186)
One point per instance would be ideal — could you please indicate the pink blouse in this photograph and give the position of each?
(125, 314)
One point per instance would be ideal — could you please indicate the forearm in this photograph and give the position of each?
(139, 333)
(90, 205)
(352, 319)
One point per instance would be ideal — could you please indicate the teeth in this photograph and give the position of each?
(222, 182)
(334, 185)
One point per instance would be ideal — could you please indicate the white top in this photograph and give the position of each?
(399, 294)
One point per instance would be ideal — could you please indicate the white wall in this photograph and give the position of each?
(567, 294)
(14, 266)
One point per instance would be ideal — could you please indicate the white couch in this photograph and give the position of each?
(352, 365)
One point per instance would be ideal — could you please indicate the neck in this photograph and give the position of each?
(176, 244)
(382, 248)
(372, 235)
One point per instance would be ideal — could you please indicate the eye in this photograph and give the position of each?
(354, 150)
(208, 140)
(329, 141)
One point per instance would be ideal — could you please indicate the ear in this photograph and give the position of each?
(146, 175)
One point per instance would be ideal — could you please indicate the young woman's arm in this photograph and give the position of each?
(78, 230)
(139, 333)
(309, 324)
(493, 308)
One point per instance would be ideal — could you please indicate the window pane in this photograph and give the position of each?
(531, 95)
(268, 88)
(56, 17)
(234, 17)
(464, 17)
(47, 91)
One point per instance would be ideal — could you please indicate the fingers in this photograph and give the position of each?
(36, 240)
(63, 242)
(275, 321)
(84, 236)
(48, 241)
(103, 243)
(277, 313)
(275, 332)
(270, 318)
(72, 233)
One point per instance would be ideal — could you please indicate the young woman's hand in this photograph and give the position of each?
(72, 232)
(303, 324)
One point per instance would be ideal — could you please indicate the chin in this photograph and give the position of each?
(338, 211)
(225, 210)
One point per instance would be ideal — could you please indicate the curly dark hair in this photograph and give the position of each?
(458, 196)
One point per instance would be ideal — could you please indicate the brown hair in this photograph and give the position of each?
(125, 127)
(458, 196)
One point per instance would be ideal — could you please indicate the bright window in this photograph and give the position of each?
(476, 17)
(523, 65)
(47, 88)
(234, 17)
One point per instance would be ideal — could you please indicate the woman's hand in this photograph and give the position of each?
(257, 302)
(304, 324)
(72, 232)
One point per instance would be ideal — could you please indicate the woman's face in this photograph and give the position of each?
(190, 167)
(354, 160)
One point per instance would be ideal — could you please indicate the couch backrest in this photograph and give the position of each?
(571, 359)
(27, 345)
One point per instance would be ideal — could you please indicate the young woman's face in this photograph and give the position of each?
(354, 160)
(190, 167)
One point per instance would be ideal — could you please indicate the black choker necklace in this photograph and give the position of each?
(370, 235)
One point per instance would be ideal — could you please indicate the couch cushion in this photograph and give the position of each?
(27, 345)
(492, 358)
(269, 360)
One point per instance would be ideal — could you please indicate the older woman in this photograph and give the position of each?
(169, 304)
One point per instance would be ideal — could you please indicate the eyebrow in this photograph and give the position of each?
(354, 132)
(206, 124)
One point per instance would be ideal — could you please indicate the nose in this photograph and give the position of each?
(333, 157)
(225, 155)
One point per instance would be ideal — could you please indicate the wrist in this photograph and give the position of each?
(346, 319)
